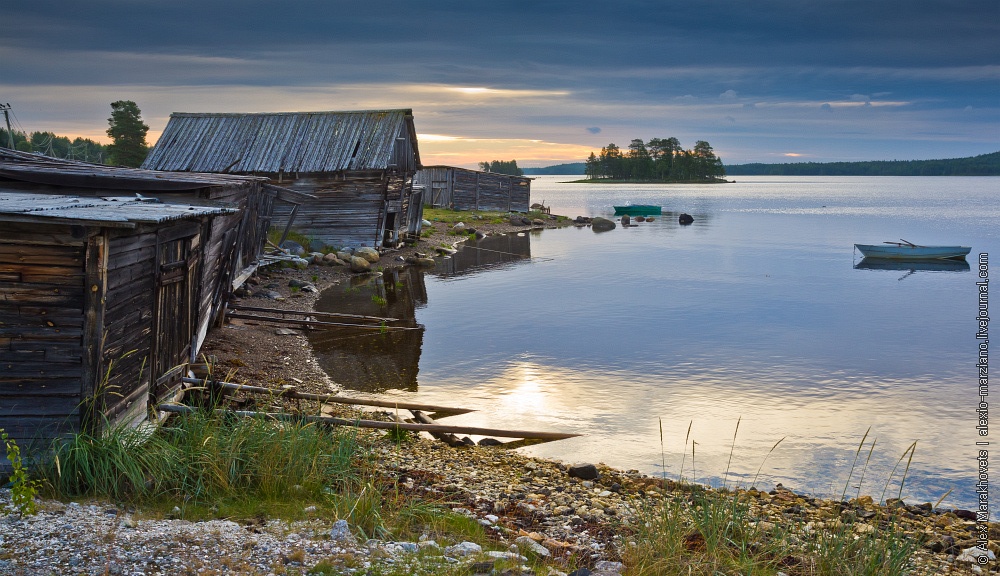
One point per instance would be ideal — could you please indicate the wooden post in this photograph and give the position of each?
(449, 439)
(288, 227)
(95, 292)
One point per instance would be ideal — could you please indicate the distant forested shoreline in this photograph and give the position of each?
(982, 165)
(571, 169)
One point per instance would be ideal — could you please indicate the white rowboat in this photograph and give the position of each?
(909, 251)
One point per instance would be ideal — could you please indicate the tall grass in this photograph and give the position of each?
(698, 532)
(209, 464)
(694, 530)
(202, 457)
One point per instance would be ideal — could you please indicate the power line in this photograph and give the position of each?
(6, 116)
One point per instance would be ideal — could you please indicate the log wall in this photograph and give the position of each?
(42, 297)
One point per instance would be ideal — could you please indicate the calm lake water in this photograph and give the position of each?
(757, 313)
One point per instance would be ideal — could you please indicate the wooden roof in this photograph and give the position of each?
(111, 211)
(289, 142)
(40, 169)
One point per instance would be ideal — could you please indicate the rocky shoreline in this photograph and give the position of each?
(580, 517)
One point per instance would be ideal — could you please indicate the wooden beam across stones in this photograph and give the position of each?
(327, 398)
(382, 425)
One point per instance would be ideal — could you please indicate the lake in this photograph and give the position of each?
(759, 313)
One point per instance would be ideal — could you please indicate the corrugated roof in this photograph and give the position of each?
(40, 169)
(286, 142)
(113, 211)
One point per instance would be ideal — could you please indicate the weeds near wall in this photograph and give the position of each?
(22, 489)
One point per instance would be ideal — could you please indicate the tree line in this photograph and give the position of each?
(125, 128)
(50, 144)
(982, 165)
(659, 160)
(502, 167)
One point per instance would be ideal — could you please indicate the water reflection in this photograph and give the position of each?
(913, 265)
(757, 311)
(488, 252)
(367, 360)
(378, 361)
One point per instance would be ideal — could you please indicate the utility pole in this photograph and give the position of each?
(6, 116)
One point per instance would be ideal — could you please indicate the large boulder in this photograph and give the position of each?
(368, 253)
(602, 224)
(685, 219)
(420, 261)
(293, 248)
(584, 472)
(331, 259)
(359, 264)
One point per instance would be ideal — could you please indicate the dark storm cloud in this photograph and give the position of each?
(300, 40)
(619, 60)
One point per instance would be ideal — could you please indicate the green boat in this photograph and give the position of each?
(637, 210)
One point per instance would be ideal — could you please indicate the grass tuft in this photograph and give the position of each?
(204, 457)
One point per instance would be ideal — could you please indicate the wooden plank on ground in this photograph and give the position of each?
(327, 398)
(382, 425)
(307, 323)
(311, 313)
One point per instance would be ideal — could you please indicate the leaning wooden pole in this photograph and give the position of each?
(449, 439)
(380, 425)
(311, 323)
(313, 313)
(330, 398)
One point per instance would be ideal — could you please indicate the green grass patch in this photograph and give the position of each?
(205, 465)
(274, 235)
(696, 531)
(205, 458)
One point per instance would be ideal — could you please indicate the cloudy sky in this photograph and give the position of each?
(542, 82)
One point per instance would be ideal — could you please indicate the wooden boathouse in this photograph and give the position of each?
(359, 165)
(109, 281)
(463, 189)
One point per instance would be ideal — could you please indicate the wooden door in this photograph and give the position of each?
(176, 301)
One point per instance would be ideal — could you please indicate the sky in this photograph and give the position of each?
(540, 82)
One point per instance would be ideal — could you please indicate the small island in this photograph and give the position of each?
(661, 160)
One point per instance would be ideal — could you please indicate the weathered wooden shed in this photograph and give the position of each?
(463, 189)
(359, 165)
(110, 279)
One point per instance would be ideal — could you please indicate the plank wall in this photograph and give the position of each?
(128, 323)
(348, 210)
(461, 189)
(42, 298)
